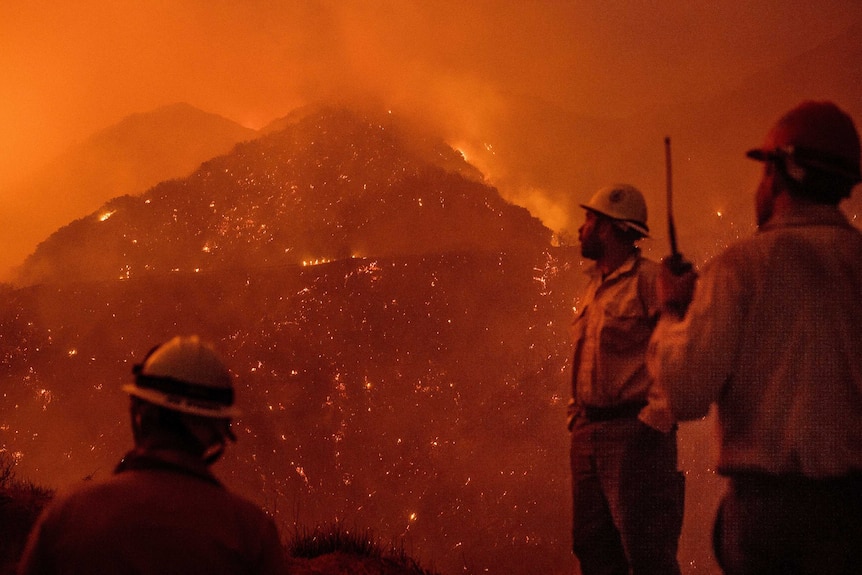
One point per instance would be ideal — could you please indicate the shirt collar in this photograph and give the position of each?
(624, 268)
(164, 459)
(809, 215)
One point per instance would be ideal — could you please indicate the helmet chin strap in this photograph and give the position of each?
(214, 452)
(157, 427)
(137, 432)
(791, 172)
(213, 436)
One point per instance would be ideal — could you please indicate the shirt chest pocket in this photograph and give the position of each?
(624, 327)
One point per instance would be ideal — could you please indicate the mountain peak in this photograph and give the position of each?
(333, 184)
(126, 158)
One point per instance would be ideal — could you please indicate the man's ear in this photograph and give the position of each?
(605, 228)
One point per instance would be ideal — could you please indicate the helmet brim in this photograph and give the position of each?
(182, 404)
(640, 228)
(807, 159)
(636, 227)
(759, 154)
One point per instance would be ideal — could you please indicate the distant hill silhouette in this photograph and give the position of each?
(127, 158)
(331, 185)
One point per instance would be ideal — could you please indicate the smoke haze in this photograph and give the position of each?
(550, 100)
(506, 80)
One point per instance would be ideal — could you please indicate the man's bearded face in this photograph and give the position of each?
(592, 246)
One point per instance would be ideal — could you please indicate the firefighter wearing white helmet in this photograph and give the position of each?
(626, 489)
(623, 203)
(163, 511)
(185, 375)
(771, 337)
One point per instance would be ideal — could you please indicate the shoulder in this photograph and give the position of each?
(646, 272)
(245, 510)
(69, 505)
(647, 267)
(742, 256)
(638, 268)
(85, 491)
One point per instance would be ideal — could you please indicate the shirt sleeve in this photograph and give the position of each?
(694, 358)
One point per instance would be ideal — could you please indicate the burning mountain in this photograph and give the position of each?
(330, 186)
(412, 382)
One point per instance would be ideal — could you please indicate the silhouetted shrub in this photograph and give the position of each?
(20, 505)
(339, 546)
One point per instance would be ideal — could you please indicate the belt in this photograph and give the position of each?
(621, 411)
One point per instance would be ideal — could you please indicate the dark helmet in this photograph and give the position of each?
(815, 135)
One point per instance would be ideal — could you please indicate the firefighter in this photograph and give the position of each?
(163, 511)
(627, 490)
(772, 336)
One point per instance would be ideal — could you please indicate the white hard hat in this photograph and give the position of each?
(185, 375)
(621, 202)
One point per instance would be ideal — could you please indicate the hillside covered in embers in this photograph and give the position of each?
(409, 379)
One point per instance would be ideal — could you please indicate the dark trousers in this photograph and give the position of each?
(790, 526)
(628, 498)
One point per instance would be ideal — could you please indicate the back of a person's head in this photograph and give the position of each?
(155, 426)
(822, 187)
(182, 397)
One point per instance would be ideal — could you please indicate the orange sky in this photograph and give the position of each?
(68, 69)
(478, 69)
(71, 68)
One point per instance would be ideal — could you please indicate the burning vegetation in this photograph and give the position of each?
(412, 381)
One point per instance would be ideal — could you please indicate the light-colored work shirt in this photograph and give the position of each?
(774, 337)
(611, 332)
